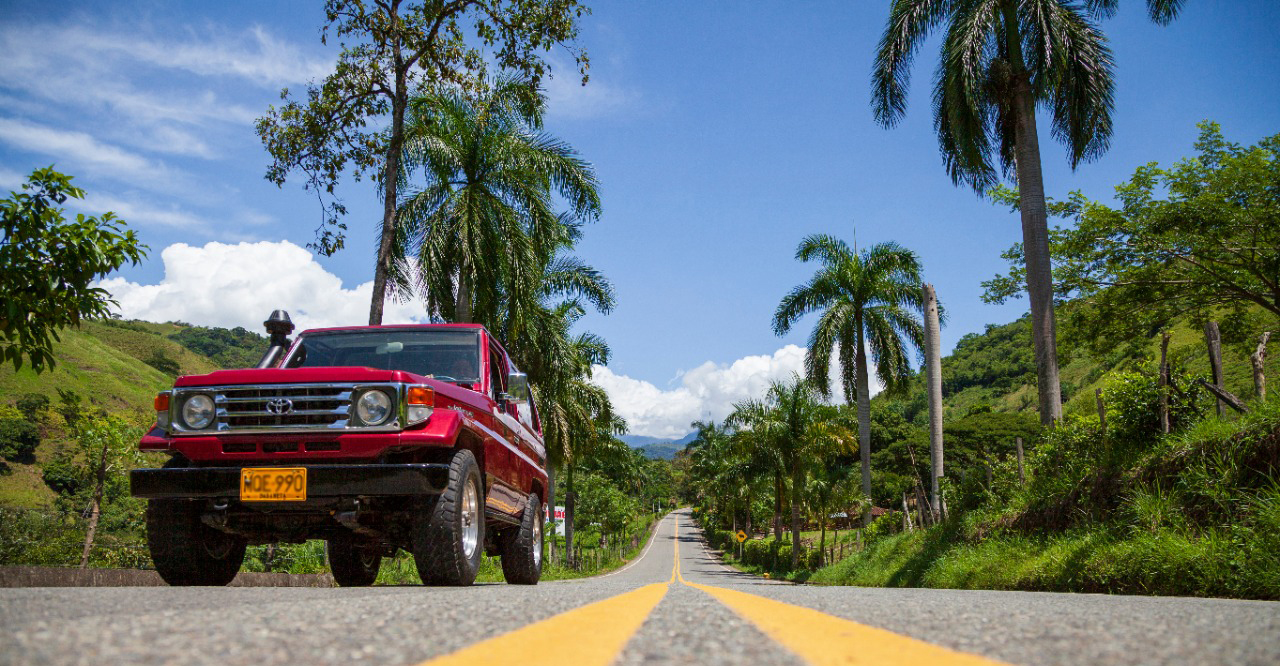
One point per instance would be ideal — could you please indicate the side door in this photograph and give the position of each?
(504, 462)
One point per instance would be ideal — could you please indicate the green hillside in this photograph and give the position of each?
(996, 368)
(118, 366)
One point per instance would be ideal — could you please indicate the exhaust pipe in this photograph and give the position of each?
(279, 326)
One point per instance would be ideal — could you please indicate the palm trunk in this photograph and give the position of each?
(795, 517)
(462, 307)
(390, 181)
(568, 515)
(822, 541)
(550, 502)
(1035, 232)
(777, 506)
(864, 418)
(933, 378)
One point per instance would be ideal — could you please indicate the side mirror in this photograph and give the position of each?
(518, 387)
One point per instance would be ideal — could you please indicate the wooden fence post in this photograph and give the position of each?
(1022, 475)
(1164, 383)
(1258, 358)
(1213, 337)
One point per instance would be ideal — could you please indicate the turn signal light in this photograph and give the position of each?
(421, 395)
(420, 401)
(162, 402)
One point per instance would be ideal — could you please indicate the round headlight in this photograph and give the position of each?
(197, 411)
(373, 408)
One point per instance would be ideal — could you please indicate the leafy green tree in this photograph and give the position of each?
(92, 472)
(603, 503)
(1198, 237)
(1000, 60)
(47, 265)
(868, 300)
(229, 348)
(354, 121)
(483, 224)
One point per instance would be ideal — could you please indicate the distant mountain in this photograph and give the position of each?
(658, 448)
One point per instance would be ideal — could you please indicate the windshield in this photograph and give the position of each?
(449, 355)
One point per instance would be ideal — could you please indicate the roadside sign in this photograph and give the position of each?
(742, 536)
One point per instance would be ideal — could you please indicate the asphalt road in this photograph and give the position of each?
(674, 604)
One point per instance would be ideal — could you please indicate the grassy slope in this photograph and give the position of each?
(105, 363)
(1197, 513)
(1081, 374)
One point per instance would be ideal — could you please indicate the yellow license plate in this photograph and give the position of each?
(273, 484)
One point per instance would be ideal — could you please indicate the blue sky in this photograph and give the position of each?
(722, 135)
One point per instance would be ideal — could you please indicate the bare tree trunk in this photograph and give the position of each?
(95, 506)
(390, 181)
(1035, 229)
(864, 418)
(1164, 383)
(1022, 474)
(1102, 411)
(1213, 337)
(1259, 359)
(906, 515)
(933, 381)
(1225, 397)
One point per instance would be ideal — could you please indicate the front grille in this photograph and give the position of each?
(285, 407)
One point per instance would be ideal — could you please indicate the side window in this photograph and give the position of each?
(497, 373)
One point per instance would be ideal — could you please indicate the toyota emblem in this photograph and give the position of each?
(280, 406)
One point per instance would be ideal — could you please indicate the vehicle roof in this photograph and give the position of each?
(391, 326)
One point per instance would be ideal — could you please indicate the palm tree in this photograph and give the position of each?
(799, 429)
(868, 300)
(1000, 60)
(480, 229)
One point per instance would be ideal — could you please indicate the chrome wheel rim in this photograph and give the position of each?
(537, 538)
(470, 520)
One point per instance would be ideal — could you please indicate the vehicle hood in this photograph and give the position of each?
(296, 376)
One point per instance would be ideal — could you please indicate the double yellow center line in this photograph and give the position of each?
(598, 632)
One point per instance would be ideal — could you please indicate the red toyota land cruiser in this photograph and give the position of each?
(421, 437)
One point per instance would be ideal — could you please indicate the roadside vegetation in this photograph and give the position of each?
(1163, 476)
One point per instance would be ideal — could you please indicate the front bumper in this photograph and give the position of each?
(322, 481)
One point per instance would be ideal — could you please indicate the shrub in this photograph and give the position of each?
(756, 553)
(34, 406)
(18, 439)
(163, 363)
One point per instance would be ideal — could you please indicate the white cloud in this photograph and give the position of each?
(568, 98)
(254, 54)
(10, 181)
(82, 149)
(228, 285)
(706, 392)
(138, 213)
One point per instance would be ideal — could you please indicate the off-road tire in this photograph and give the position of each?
(185, 550)
(438, 528)
(351, 565)
(522, 546)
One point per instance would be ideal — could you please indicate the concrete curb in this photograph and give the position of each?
(19, 576)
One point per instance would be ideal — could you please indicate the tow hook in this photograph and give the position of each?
(217, 518)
